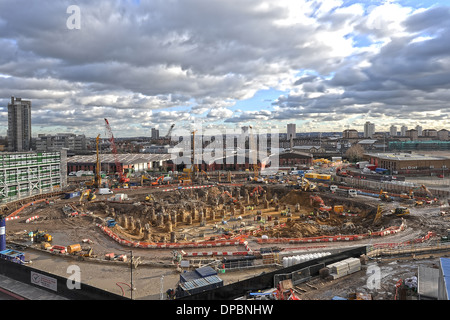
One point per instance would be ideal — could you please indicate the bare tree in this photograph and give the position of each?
(355, 153)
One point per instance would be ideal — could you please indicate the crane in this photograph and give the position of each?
(170, 131)
(97, 181)
(98, 177)
(122, 178)
(252, 144)
(194, 166)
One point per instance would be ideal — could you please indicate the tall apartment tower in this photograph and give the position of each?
(419, 130)
(369, 129)
(155, 133)
(19, 125)
(393, 131)
(403, 131)
(291, 131)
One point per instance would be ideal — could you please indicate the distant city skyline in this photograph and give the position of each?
(321, 65)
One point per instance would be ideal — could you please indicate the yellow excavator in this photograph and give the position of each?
(307, 185)
(384, 196)
(87, 193)
(400, 211)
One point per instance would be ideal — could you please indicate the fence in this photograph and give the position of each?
(392, 187)
(299, 276)
(399, 249)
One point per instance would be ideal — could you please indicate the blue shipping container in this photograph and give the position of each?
(13, 256)
(70, 195)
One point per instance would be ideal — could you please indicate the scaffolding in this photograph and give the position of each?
(432, 145)
(26, 174)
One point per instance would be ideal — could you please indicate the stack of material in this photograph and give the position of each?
(344, 267)
(354, 264)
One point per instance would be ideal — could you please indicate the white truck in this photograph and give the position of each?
(105, 191)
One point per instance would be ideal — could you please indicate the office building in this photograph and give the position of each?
(19, 125)
(25, 174)
(403, 131)
(350, 134)
(56, 142)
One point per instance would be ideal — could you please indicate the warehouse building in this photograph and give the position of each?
(410, 163)
(26, 174)
(136, 162)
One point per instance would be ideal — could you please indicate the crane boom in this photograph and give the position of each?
(122, 178)
(170, 131)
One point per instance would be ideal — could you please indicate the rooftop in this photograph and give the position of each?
(129, 158)
(405, 156)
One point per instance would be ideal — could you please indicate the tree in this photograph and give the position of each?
(355, 153)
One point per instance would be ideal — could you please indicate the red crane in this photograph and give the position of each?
(122, 178)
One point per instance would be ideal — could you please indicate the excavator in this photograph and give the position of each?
(306, 185)
(379, 214)
(258, 190)
(400, 211)
(384, 196)
(87, 193)
(158, 181)
(205, 174)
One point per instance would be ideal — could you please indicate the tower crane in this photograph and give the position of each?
(252, 144)
(122, 177)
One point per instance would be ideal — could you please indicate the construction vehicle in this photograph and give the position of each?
(306, 185)
(158, 181)
(400, 211)
(229, 194)
(41, 236)
(122, 178)
(149, 198)
(384, 196)
(144, 180)
(379, 214)
(205, 174)
(258, 190)
(110, 222)
(87, 193)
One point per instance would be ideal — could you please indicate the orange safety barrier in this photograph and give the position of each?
(23, 207)
(168, 245)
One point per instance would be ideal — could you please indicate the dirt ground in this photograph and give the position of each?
(157, 272)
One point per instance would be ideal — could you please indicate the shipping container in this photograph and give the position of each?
(70, 195)
(13, 256)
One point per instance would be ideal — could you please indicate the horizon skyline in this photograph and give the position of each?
(323, 65)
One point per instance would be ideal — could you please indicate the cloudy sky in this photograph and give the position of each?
(325, 65)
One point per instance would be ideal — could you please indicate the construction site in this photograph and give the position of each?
(316, 233)
(239, 228)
